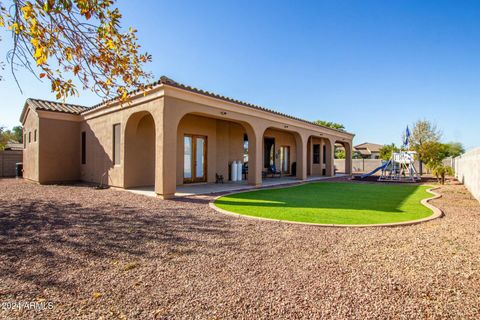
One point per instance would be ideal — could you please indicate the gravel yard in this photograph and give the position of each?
(113, 254)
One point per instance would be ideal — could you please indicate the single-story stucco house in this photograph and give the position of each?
(171, 135)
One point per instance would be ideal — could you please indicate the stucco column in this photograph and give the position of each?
(166, 157)
(330, 166)
(348, 158)
(301, 144)
(255, 138)
(322, 143)
(309, 156)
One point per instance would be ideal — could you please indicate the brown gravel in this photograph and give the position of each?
(112, 254)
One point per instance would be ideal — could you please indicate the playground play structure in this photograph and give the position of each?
(399, 168)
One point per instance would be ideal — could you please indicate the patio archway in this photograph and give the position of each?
(285, 150)
(139, 163)
(206, 146)
(345, 149)
(319, 156)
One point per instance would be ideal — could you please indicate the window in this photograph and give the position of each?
(84, 144)
(35, 135)
(116, 143)
(316, 154)
(29, 136)
(324, 153)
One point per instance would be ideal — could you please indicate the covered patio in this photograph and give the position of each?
(229, 186)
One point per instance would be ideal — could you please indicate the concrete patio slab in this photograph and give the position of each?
(230, 186)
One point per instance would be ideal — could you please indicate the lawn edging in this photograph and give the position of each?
(437, 212)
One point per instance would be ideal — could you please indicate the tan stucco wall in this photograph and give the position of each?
(99, 147)
(98, 151)
(229, 145)
(59, 155)
(30, 153)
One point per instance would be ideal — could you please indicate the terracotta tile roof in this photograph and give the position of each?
(39, 104)
(56, 106)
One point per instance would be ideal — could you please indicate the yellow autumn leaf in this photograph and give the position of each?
(38, 53)
(96, 295)
(41, 60)
(27, 10)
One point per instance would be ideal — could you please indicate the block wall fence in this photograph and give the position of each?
(8, 159)
(467, 171)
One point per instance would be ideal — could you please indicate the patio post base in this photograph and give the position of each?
(166, 196)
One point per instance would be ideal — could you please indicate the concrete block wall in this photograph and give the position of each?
(367, 165)
(358, 165)
(8, 159)
(467, 171)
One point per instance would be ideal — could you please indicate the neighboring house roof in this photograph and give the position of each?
(363, 152)
(374, 147)
(368, 148)
(38, 104)
(13, 145)
(76, 109)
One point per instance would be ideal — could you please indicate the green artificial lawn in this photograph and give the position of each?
(333, 203)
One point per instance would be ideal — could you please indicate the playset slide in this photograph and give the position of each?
(383, 166)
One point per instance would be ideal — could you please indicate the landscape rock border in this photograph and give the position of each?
(437, 213)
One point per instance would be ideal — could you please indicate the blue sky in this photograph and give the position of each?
(374, 66)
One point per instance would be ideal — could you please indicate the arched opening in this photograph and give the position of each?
(319, 156)
(282, 153)
(139, 151)
(343, 157)
(207, 146)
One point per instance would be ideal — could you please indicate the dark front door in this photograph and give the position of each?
(269, 152)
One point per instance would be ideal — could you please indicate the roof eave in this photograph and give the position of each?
(24, 111)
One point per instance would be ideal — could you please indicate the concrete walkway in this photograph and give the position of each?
(187, 190)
